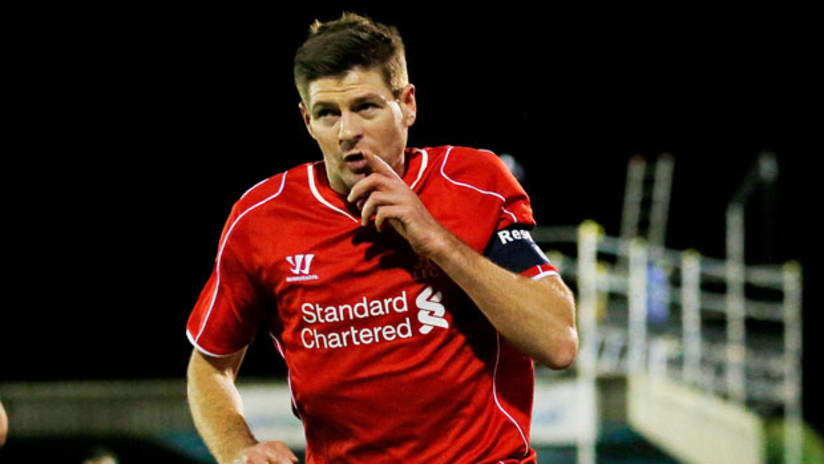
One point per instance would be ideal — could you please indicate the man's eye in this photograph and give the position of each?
(324, 113)
(367, 106)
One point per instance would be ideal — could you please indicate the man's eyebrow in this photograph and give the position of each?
(368, 97)
(371, 96)
(322, 104)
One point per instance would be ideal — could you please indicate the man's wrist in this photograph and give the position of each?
(443, 247)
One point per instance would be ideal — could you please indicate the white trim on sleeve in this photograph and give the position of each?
(253, 187)
(545, 274)
(207, 352)
(486, 192)
(542, 273)
(220, 256)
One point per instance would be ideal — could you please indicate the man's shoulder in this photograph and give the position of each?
(463, 164)
(272, 187)
(458, 153)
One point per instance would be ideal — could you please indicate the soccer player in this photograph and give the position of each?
(400, 285)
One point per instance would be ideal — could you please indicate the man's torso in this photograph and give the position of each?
(389, 361)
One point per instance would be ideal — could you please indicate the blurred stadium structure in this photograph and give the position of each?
(698, 355)
(705, 351)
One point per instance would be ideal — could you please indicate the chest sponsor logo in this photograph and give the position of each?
(300, 267)
(431, 314)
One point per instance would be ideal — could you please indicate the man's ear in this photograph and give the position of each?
(307, 118)
(409, 105)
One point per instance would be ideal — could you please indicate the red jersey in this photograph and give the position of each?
(389, 360)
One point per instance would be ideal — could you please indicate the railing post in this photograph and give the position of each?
(793, 422)
(588, 235)
(736, 352)
(637, 329)
(691, 316)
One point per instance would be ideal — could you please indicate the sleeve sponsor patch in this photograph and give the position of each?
(513, 249)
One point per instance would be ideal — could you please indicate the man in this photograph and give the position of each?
(400, 285)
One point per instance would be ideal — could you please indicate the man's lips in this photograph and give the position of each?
(353, 156)
(356, 162)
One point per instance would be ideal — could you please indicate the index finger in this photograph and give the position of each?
(379, 165)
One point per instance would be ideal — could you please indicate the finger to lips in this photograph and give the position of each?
(379, 165)
(381, 171)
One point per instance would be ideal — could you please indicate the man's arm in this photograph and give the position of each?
(217, 411)
(536, 316)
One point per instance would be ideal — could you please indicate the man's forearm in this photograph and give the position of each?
(536, 316)
(217, 411)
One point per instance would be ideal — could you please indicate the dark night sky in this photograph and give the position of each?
(137, 130)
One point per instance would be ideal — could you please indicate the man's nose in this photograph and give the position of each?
(350, 130)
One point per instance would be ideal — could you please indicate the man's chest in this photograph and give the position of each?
(360, 284)
(327, 274)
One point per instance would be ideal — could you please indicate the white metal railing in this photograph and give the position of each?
(725, 362)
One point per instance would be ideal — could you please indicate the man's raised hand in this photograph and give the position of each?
(384, 195)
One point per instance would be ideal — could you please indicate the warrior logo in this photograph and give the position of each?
(297, 260)
(300, 267)
(432, 311)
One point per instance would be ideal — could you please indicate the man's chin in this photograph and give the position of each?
(355, 177)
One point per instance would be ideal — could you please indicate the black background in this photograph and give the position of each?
(132, 132)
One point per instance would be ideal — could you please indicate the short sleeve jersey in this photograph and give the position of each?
(389, 360)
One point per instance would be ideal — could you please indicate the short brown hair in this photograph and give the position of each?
(335, 47)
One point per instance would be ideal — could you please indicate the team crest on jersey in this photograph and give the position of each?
(300, 266)
(431, 312)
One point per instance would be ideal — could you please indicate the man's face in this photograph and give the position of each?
(354, 114)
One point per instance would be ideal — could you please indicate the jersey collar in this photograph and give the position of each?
(417, 160)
